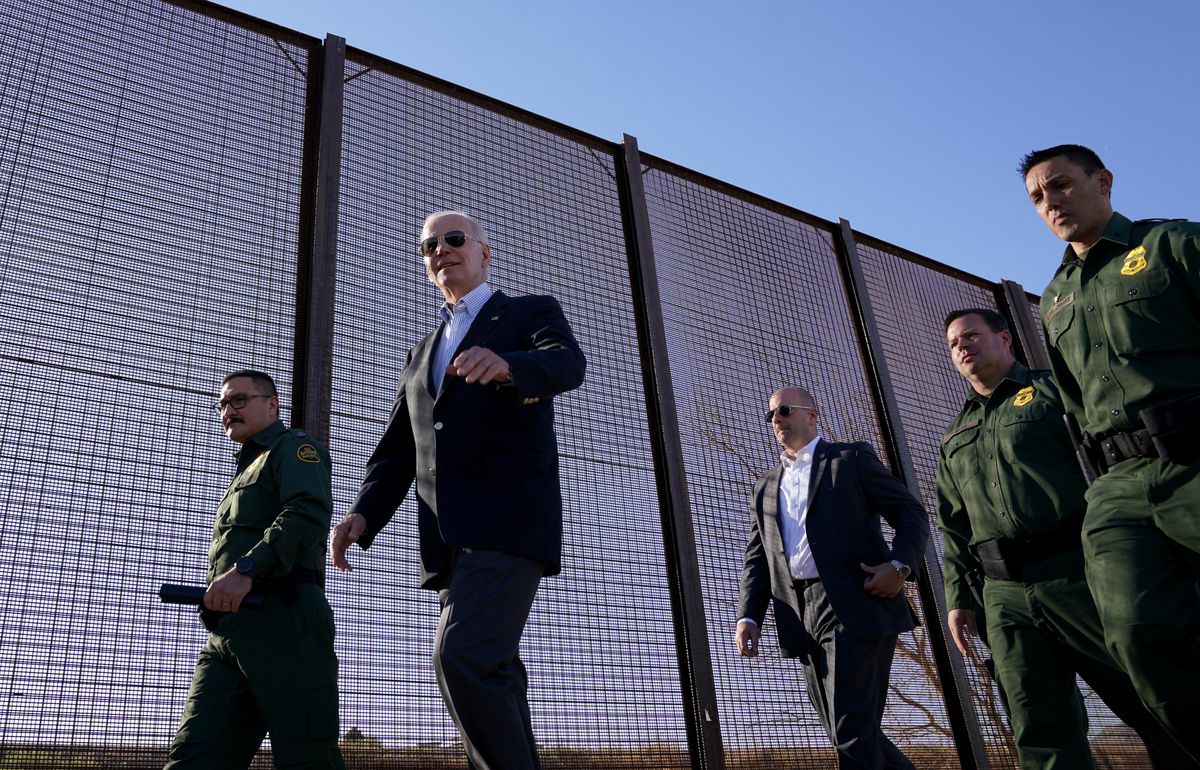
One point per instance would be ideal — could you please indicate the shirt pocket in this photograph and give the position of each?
(243, 504)
(1023, 434)
(1061, 322)
(961, 451)
(1142, 313)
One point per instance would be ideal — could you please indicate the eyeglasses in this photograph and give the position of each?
(785, 410)
(454, 239)
(238, 402)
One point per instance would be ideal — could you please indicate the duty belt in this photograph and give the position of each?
(1123, 446)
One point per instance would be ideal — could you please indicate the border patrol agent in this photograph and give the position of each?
(1122, 324)
(1010, 505)
(268, 669)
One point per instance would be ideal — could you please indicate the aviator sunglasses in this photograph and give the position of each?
(454, 239)
(785, 410)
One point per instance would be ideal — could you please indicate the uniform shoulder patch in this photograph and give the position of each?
(308, 453)
(1024, 396)
(1135, 261)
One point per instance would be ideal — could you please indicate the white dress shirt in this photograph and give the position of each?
(793, 510)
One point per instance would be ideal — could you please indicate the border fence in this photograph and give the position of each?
(186, 190)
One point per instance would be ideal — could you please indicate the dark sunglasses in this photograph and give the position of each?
(785, 410)
(454, 239)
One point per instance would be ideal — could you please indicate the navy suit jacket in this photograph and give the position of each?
(849, 490)
(484, 457)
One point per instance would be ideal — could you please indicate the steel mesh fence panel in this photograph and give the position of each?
(753, 300)
(151, 158)
(910, 299)
(149, 169)
(602, 688)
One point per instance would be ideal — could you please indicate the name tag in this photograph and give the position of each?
(1059, 306)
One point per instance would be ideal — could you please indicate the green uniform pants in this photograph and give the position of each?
(1044, 631)
(1142, 542)
(264, 670)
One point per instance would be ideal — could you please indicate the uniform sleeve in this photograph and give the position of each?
(552, 362)
(302, 473)
(955, 526)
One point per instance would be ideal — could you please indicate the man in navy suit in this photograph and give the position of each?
(473, 426)
(817, 553)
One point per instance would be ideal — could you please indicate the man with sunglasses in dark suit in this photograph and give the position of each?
(818, 555)
(473, 427)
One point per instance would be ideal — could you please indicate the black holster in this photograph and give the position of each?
(1087, 452)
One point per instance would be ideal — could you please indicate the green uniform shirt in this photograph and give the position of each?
(1006, 469)
(1122, 323)
(278, 507)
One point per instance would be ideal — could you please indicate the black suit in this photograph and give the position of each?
(489, 507)
(835, 621)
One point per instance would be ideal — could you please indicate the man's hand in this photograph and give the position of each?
(962, 622)
(345, 534)
(883, 580)
(747, 636)
(226, 592)
(479, 365)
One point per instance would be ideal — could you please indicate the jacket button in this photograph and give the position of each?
(438, 425)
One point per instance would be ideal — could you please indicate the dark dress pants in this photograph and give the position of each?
(476, 656)
(847, 680)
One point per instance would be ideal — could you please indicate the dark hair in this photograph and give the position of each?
(996, 322)
(262, 380)
(1081, 156)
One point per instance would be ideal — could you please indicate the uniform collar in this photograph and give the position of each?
(263, 439)
(1018, 375)
(1118, 231)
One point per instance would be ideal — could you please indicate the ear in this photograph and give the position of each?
(1104, 178)
(487, 254)
(1006, 335)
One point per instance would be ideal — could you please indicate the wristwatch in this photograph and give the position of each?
(245, 566)
(900, 566)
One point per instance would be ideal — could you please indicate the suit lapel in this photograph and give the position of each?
(422, 358)
(481, 328)
(820, 466)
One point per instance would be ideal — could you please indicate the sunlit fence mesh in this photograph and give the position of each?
(157, 191)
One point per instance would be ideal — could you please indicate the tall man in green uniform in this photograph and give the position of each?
(268, 669)
(1122, 325)
(1010, 506)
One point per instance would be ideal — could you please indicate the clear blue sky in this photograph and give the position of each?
(906, 118)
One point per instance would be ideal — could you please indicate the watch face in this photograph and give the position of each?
(245, 566)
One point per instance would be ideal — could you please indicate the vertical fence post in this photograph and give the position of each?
(679, 539)
(312, 377)
(955, 687)
(1017, 304)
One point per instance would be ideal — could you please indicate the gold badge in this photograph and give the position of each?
(1024, 396)
(1135, 261)
(308, 454)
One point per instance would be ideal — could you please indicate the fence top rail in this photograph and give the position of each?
(369, 61)
(248, 22)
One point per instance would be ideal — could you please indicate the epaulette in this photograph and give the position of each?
(1156, 221)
